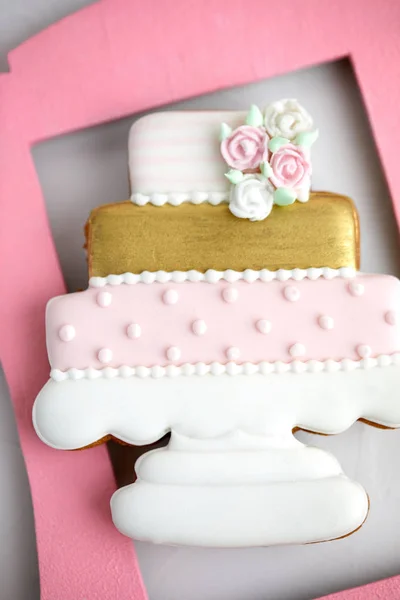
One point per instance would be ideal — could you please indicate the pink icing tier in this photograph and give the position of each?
(176, 323)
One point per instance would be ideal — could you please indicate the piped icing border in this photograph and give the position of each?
(178, 198)
(230, 368)
(212, 276)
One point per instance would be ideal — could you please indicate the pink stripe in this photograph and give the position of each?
(157, 183)
(141, 161)
(137, 143)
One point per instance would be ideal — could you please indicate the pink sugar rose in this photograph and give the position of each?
(290, 167)
(245, 148)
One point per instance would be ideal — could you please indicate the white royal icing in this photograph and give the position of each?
(199, 327)
(326, 322)
(392, 317)
(240, 515)
(105, 355)
(231, 444)
(67, 333)
(291, 293)
(263, 326)
(173, 353)
(104, 299)
(231, 368)
(213, 276)
(252, 198)
(176, 198)
(74, 413)
(286, 118)
(134, 331)
(297, 350)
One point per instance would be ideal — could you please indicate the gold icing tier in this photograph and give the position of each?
(124, 237)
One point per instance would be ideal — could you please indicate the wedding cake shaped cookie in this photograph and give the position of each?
(225, 306)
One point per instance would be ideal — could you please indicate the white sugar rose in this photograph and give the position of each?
(252, 198)
(286, 118)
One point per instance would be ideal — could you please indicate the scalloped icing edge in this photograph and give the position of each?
(230, 368)
(212, 276)
(178, 198)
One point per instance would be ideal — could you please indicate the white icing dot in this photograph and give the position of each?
(283, 274)
(75, 374)
(115, 279)
(326, 322)
(233, 353)
(266, 367)
(157, 371)
(291, 293)
(231, 276)
(249, 275)
(172, 371)
(162, 276)
(263, 326)
(199, 327)
(148, 277)
(170, 297)
(282, 367)
(384, 360)
(217, 369)
(67, 333)
(250, 368)
(104, 299)
(178, 276)
(142, 372)
(212, 276)
(392, 317)
(230, 294)
(194, 275)
(297, 350)
(126, 371)
(188, 369)
(298, 366)
(173, 353)
(314, 273)
(202, 369)
(130, 278)
(105, 355)
(266, 275)
(356, 289)
(233, 369)
(110, 373)
(133, 331)
(364, 351)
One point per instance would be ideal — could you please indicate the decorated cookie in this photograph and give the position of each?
(224, 306)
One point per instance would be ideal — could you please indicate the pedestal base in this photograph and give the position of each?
(240, 515)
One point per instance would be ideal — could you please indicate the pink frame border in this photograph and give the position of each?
(115, 58)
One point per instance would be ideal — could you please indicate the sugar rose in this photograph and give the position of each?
(245, 148)
(252, 198)
(286, 118)
(290, 167)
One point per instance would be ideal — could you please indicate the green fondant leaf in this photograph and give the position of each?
(234, 176)
(307, 138)
(225, 132)
(276, 142)
(266, 169)
(254, 116)
(284, 196)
